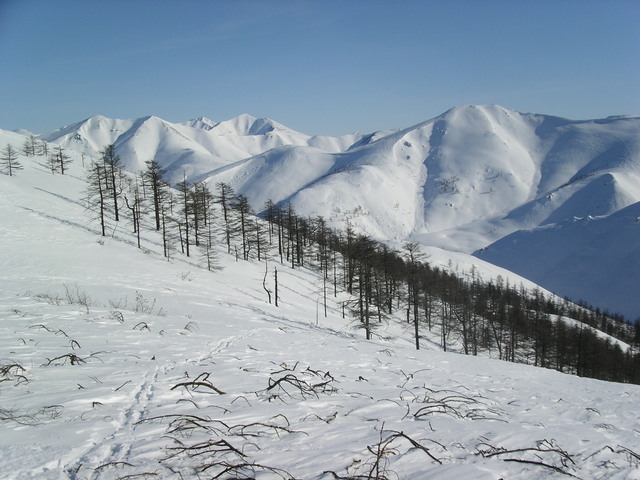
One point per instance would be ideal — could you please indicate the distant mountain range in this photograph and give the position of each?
(551, 199)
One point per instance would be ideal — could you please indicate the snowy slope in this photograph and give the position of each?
(192, 148)
(459, 182)
(101, 342)
(603, 252)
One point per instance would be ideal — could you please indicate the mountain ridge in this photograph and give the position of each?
(462, 181)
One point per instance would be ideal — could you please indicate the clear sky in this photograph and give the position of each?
(319, 67)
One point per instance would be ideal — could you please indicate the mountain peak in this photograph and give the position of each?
(243, 124)
(248, 125)
(203, 123)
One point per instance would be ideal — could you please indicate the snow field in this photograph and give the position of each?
(118, 364)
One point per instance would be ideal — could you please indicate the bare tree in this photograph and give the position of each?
(9, 160)
(29, 146)
(96, 193)
(200, 198)
(136, 206)
(241, 205)
(153, 177)
(112, 164)
(60, 159)
(184, 198)
(168, 233)
(44, 149)
(413, 257)
(224, 197)
(259, 239)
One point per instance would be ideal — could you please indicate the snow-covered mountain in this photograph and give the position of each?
(194, 147)
(477, 179)
(118, 364)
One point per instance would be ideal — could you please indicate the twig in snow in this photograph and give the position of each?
(544, 454)
(200, 381)
(73, 358)
(128, 381)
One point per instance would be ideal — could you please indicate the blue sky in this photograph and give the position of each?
(320, 67)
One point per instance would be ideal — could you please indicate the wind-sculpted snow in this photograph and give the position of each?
(461, 181)
(119, 364)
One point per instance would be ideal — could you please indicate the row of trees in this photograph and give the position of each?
(476, 316)
(460, 309)
(182, 215)
(57, 161)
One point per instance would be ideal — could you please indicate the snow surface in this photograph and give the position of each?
(141, 328)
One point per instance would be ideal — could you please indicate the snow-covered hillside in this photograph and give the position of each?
(603, 252)
(461, 182)
(194, 147)
(118, 364)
